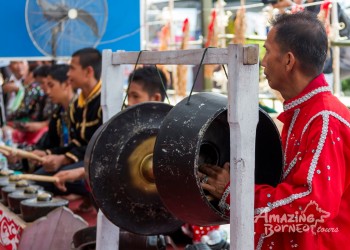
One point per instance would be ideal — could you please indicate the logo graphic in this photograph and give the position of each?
(308, 220)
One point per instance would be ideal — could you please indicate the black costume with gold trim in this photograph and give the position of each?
(85, 118)
(58, 135)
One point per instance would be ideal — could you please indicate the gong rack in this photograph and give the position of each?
(243, 79)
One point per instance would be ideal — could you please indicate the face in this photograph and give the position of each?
(76, 74)
(298, 1)
(43, 83)
(273, 62)
(136, 95)
(19, 68)
(56, 90)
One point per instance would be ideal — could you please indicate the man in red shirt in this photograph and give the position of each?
(310, 208)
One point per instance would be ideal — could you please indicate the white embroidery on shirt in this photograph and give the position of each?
(305, 97)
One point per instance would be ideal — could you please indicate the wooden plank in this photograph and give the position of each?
(243, 118)
(54, 231)
(112, 87)
(67, 225)
(107, 237)
(107, 234)
(187, 57)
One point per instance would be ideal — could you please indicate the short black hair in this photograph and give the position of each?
(90, 57)
(150, 80)
(59, 72)
(41, 71)
(305, 36)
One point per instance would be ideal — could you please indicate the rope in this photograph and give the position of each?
(199, 68)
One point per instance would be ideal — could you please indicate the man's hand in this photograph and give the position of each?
(9, 87)
(12, 157)
(214, 179)
(37, 152)
(33, 126)
(52, 163)
(68, 176)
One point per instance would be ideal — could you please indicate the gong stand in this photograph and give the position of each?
(243, 80)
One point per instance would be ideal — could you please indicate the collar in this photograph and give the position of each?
(316, 86)
(83, 101)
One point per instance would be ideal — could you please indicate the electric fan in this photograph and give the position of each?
(60, 27)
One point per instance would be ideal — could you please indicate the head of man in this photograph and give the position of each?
(59, 88)
(85, 67)
(40, 74)
(146, 84)
(19, 68)
(296, 49)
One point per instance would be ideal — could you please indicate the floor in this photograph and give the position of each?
(90, 216)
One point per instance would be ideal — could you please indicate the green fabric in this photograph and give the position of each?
(18, 100)
(267, 109)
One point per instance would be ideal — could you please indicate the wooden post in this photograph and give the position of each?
(243, 118)
(107, 237)
(243, 71)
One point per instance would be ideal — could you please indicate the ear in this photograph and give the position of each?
(157, 97)
(90, 71)
(289, 61)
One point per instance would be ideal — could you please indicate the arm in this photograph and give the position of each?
(69, 176)
(52, 163)
(319, 167)
(9, 87)
(34, 126)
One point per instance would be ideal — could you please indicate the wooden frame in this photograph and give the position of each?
(243, 74)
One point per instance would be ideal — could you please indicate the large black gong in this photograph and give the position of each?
(119, 161)
(198, 132)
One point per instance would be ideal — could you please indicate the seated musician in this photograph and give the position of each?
(85, 116)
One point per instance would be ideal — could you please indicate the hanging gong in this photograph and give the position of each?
(119, 163)
(198, 132)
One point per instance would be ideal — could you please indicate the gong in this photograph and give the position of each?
(118, 162)
(197, 132)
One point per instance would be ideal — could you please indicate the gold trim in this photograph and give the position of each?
(93, 123)
(72, 157)
(76, 142)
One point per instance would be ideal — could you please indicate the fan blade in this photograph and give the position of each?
(89, 20)
(53, 12)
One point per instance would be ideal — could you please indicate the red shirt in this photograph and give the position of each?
(310, 208)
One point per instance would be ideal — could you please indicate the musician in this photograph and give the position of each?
(85, 116)
(62, 93)
(315, 138)
(85, 113)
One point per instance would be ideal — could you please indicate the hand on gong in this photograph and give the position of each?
(214, 179)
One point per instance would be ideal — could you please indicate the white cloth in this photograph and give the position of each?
(12, 96)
